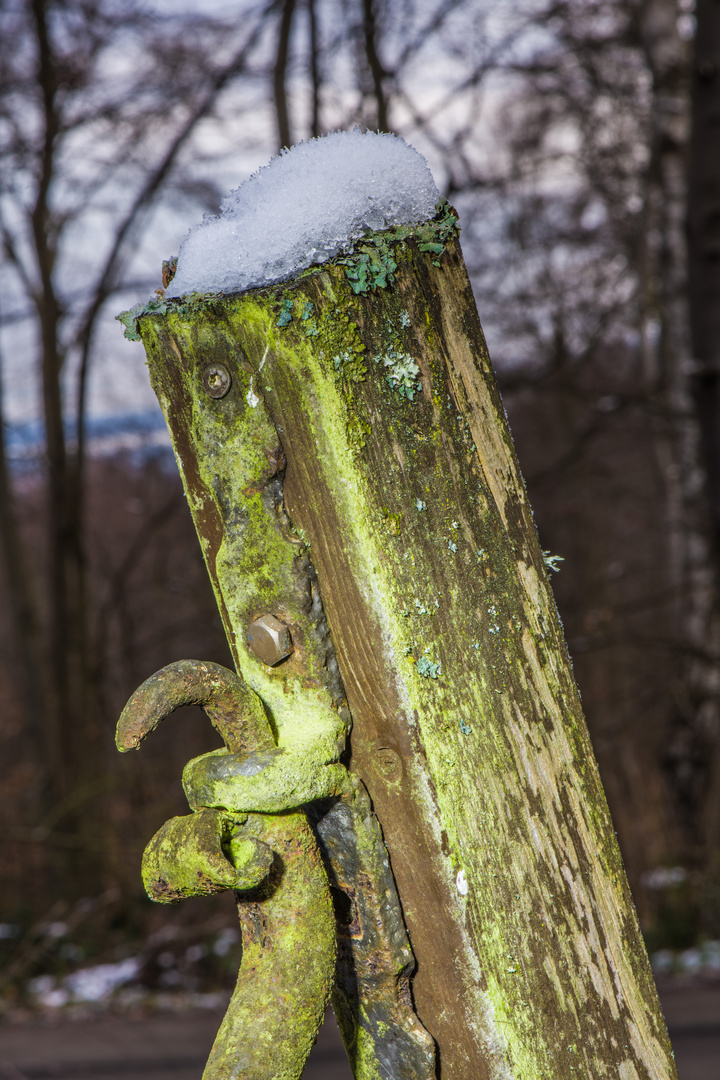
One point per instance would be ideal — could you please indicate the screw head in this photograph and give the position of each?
(387, 762)
(269, 639)
(216, 380)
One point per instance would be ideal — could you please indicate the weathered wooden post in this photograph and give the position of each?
(351, 474)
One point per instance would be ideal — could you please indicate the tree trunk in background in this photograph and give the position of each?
(71, 736)
(704, 242)
(403, 489)
(377, 74)
(282, 110)
(26, 634)
(692, 750)
(704, 298)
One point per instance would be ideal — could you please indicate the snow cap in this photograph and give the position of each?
(303, 207)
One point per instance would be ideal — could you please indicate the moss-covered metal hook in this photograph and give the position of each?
(273, 864)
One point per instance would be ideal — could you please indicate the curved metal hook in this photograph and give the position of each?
(288, 931)
(235, 711)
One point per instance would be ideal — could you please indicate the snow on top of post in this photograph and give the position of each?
(305, 206)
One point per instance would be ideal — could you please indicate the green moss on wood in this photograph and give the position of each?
(498, 782)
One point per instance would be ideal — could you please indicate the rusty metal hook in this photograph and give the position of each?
(235, 711)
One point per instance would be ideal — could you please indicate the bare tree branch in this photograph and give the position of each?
(280, 74)
(376, 69)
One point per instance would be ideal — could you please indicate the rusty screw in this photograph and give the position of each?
(216, 380)
(269, 639)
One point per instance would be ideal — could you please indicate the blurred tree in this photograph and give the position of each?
(704, 372)
(704, 243)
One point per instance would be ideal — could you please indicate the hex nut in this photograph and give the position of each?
(269, 639)
(217, 380)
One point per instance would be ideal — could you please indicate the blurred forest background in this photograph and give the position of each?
(580, 142)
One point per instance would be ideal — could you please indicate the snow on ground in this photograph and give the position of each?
(305, 206)
(703, 960)
(87, 984)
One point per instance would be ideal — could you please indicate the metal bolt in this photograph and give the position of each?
(216, 380)
(269, 639)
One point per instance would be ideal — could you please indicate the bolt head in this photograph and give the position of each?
(269, 639)
(216, 380)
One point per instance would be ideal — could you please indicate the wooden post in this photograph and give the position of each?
(382, 468)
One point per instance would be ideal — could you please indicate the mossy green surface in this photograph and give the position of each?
(201, 854)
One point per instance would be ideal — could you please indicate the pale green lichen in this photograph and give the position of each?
(185, 306)
(493, 625)
(551, 561)
(428, 668)
(370, 266)
(285, 316)
(402, 375)
(309, 324)
(445, 226)
(129, 319)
